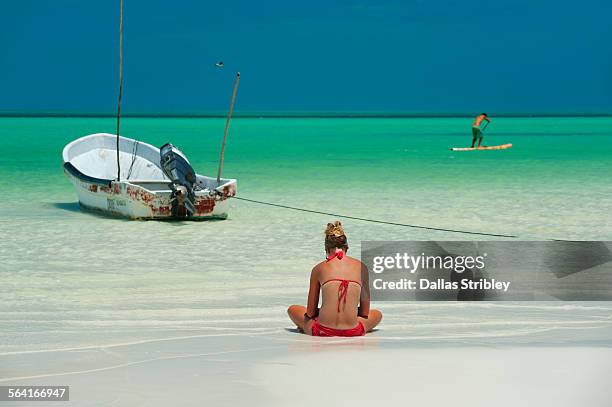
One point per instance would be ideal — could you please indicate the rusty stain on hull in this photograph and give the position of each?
(114, 189)
(161, 211)
(229, 190)
(204, 204)
(139, 194)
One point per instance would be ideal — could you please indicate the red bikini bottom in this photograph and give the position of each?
(320, 330)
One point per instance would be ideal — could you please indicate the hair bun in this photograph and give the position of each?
(334, 229)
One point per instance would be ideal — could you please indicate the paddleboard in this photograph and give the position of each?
(500, 147)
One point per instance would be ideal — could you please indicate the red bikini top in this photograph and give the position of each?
(338, 253)
(343, 287)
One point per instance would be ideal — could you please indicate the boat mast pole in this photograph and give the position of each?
(120, 84)
(229, 117)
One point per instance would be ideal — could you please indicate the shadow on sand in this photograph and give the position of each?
(67, 206)
(299, 331)
(76, 207)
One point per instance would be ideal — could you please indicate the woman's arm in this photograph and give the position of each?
(364, 299)
(312, 308)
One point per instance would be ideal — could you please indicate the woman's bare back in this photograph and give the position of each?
(337, 310)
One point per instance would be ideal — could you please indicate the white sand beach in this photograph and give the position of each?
(503, 354)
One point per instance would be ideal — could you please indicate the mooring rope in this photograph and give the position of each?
(337, 215)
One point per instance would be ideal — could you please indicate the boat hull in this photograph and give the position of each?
(125, 199)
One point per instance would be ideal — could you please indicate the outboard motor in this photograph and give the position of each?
(182, 180)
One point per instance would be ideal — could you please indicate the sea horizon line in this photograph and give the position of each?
(294, 114)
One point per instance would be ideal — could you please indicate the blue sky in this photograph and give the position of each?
(401, 56)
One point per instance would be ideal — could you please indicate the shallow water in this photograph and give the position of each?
(74, 279)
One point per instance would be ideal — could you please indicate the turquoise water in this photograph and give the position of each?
(77, 279)
(554, 182)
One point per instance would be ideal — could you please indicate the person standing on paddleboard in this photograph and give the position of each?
(476, 130)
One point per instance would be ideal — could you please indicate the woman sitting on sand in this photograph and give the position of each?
(343, 282)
